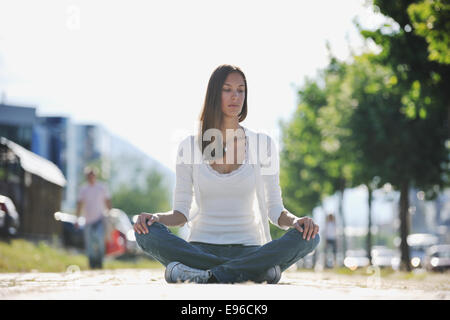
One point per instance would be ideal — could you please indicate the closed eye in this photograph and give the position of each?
(227, 90)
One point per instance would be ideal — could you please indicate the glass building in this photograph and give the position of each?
(16, 124)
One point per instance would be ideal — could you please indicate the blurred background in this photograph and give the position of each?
(356, 94)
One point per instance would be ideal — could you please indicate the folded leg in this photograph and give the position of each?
(166, 247)
(283, 252)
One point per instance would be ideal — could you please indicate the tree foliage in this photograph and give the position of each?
(431, 20)
(379, 118)
(153, 196)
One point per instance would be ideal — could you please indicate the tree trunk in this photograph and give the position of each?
(324, 240)
(369, 226)
(341, 215)
(405, 263)
(448, 120)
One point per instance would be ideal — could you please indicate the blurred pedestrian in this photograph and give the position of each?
(93, 201)
(330, 237)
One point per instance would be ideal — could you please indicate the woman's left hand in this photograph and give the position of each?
(307, 226)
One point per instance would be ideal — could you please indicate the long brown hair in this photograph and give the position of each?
(211, 115)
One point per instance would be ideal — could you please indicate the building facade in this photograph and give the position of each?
(16, 124)
(72, 147)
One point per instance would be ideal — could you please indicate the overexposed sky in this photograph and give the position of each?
(140, 68)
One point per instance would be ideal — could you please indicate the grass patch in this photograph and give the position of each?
(24, 256)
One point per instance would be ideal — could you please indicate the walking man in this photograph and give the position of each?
(93, 200)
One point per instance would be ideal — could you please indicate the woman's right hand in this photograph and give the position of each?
(144, 220)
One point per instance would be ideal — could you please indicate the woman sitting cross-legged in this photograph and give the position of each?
(232, 173)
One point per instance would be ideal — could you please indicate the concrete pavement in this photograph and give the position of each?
(150, 285)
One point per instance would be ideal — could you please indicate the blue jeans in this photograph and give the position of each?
(94, 240)
(228, 263)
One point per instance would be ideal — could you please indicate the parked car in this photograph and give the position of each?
(119, 233)
(418, 244)
(355, 259)
(383, 257)
(122, 239)
(437, 258)
(71, 236)
(9, 218)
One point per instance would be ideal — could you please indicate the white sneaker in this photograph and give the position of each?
(178, 272)
(273, 275)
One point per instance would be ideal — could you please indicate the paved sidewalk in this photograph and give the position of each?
(150, 284)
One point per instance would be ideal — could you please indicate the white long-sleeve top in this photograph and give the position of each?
(226, 215)
(218, 201)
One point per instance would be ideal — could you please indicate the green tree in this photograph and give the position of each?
(370, 122)
(301, 175)
(316, 158)
(416, 125)
(134, 198)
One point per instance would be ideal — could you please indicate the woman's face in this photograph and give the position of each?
(233, 95)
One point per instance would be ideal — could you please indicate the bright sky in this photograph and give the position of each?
(140, 68)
